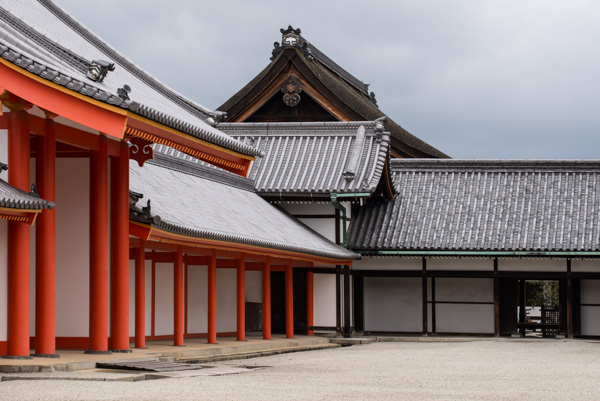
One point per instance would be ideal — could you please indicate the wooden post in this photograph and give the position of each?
(119, 266)
(212, 298)
(338, 300)
(18, 239)
(433, 319)
(178, 298)
(522, 294)
(310, 320)
(289, 300)
(99, 249)
(266, 298)
(45, 234)
(140, 296)
(496, 300)
(241, 299)
(569, 300)
(346, 330)
(424, 290)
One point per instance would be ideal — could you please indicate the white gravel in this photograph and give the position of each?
(478, 370)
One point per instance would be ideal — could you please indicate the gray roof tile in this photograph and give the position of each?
(13, 198)
(320, 157)
(196, 202)
(508, 205)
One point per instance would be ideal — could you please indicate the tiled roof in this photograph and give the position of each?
(13, 198)
(509, 205)
(43, 39)
(323, 157)
(196, 202)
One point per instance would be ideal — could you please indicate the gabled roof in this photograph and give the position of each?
(14, 198)
(315, 158)
(45, 41)
(485, 205)
(346, 97)
(203, 203)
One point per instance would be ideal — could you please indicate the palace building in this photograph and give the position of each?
(129, 212)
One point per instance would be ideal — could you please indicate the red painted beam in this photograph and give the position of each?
(266, 283)
(212, 299)
(18, 239)
(46, 246)
(178, 298)
(119, 271)
(99, 248)
(140, 297)
(241, 300)
(289, 301)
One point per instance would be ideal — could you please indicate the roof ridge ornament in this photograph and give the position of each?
(143, 215)
(290, 36)
(3, 167)
(98, 69)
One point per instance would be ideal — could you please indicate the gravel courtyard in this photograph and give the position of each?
(475, 370)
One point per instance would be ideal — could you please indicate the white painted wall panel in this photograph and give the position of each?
(3, 276)
(464, 289)
(226, 300)
(460, 264)
(164, 299)
(324, 300)
(131, 298)
(590, 291)
(253, 286)
(367, 263)
(464, 318)
(325, 227)
(585, 265)
(532, 265)
(197, 299)
(148, 301)
(147, 298)
(393, 304)
(72, 247)
(590, 320)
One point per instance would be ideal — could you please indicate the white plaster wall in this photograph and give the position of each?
(464, 318)
(393, 304)
(226, 300)
(3, 278)
(72, 247)
(585, 265)
(392, 263)
(147, 298)
(148, 289)
(464, 289)
(253, 286)
(590, 291)
(324, 300)
(197, 299)
(164, 299)
(460, 264)
(325, 227)
(532, 265)
(131, 298)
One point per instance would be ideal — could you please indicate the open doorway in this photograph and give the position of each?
(278, 302)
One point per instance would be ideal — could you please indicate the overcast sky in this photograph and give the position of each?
(476, 79)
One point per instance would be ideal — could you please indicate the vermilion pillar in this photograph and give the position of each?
(45, 240)
(99, 249)
(212, 298)
(140, 296)
(241, 299)
(178, 300)
(119, 252)
(266, 296)
(18, 239)
(310, 319)
(289, 301)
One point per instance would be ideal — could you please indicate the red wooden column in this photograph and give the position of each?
(140, 296)
(241, 299)
(45, 240)
(178, 300)
(310, 319)
(119, 254)
(266, 296)
(289, 300)
(212, 298)
(99, 249)
(18, 238)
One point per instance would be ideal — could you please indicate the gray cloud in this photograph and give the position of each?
(493, 79)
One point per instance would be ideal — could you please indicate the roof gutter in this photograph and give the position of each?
(336, 203)
(480, 253)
